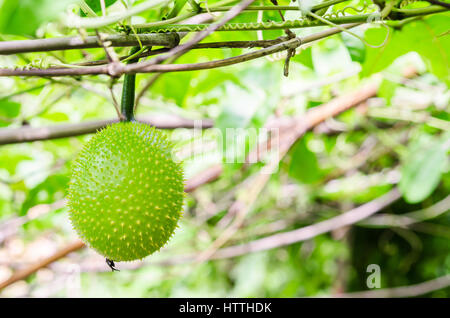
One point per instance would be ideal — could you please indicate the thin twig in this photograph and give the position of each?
(114, 99)
(308, 232)
(410, 218)
(291, 35)
(403, 291)
(111, 55)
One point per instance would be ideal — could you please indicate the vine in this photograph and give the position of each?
(337, 17)
(248, 26)
(129, 83)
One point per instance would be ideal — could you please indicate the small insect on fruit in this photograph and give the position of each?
(126, 193)
(111, 265)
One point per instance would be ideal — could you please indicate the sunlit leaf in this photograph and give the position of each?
(23, 17)
(422, 169)
(304, 166)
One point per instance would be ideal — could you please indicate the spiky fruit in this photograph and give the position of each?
(126, 193)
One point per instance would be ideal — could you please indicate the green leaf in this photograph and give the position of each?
(387, 90)
(304, 56)
(422, 169)
(50, 190)
(330, 57)
(9, 108)
(175, 87)
(177, 7)
(355, 47)
(57, 116)
(9, 159)
(304, 166)
(23, 17)
(96, 6)
(426, 37)
(245, 106)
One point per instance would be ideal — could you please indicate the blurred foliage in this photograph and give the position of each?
(430, 33)
(400, 137)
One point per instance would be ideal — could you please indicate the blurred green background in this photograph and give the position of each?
(398, 138)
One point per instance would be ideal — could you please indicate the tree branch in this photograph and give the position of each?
(26, 133)
(21, 274)
(308, 232)
(410, 218)
(144, 67)
(71, 43)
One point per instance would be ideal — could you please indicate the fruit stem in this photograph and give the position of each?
(128, 88)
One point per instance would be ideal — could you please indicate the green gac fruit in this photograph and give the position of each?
(126, 192)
